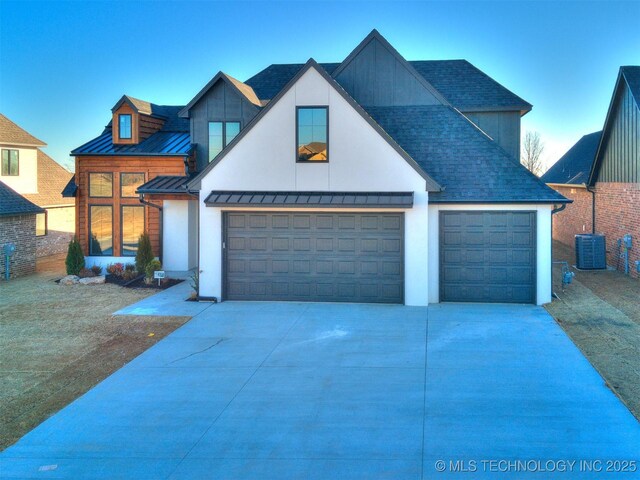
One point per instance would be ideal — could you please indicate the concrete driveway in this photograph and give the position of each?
(286, 390)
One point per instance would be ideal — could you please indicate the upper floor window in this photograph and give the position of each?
(129, 182)
(312, 134)
(101, 184)
(220, 135)
(10, 163)
(124, 125)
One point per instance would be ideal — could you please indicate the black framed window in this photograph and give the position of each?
(312, 134)
(101, 230)
(124, 126)
(101, 185)
(129, 182)
(41, 224)
(132, 227)
(10, 163)
(220, 135)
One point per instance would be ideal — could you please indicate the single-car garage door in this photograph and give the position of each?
(488, 256)
(331, 257)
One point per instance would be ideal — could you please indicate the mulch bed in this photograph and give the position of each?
(164, 283)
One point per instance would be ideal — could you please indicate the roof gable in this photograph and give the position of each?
(242, 89)
(574, 166)
(431, 185)
(12, 134)
(12, 203)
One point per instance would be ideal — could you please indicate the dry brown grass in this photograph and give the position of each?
(57, 342)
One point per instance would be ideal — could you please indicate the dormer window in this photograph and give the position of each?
(124, 125)
(312, 134)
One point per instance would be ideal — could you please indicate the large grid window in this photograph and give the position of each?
(220, 135)
(129, 183)
(101, 230)
(132, 228)
(41, 224)
(10, 163)
(124, 126)
(312, 134)
(101, 185)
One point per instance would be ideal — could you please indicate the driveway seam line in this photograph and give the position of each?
(239, 390)
(424, 392)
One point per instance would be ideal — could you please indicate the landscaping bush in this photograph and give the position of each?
(75, 258)
(144, 254)
(96, 269)
(86, 273)
(130, 267)
(115, 269)
(152, 266)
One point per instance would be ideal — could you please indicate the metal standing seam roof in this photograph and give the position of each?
(574, 166)
(310, 199)
(160, 143)
(165, 184)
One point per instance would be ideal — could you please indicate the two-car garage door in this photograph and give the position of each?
(305, 256)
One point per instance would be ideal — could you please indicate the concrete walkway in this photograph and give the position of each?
(323, 391)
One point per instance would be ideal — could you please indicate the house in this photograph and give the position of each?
(371, 180)
(607, 165)
(17, 227)
(40, 179)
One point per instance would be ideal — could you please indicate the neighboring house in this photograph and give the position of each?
(17, 226)
(358, 181)
(610, 167)
(36, 176)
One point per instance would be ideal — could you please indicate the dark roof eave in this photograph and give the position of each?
(515, 108)
(131, 154)
(501, 202)
(159, 191)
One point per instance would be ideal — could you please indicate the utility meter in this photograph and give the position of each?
(627, 241)
(9, 249)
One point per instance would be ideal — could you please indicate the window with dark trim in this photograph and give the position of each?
(312, 134)
(220, 135)
(129, 183)
(124, 126)
(10, 163)
(41, 224)
(132, 227)
(101, 230)
(101, 185)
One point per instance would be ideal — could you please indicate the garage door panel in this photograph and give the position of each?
(319, 257)
(492, 258)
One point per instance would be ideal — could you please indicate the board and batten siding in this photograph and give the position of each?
(502, 127)
(220, 104)
(621, 155)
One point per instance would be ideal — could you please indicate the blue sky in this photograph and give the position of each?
(63, 65)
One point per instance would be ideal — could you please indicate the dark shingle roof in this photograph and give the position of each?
(12, 203)
(632, 75)
(165, 184)
(462, 84)
(52, 178)
(71, 188)
(574, 166)
(463, 160)
(11, 133)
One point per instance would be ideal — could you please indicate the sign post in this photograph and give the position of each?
(159, 274)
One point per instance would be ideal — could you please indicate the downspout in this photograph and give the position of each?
(553, 212)
(145, 202)
(593, 208)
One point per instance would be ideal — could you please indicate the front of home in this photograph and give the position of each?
(358, 182)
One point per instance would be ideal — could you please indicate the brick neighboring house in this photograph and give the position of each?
(612, 172)
(17, 226)
(40, 179)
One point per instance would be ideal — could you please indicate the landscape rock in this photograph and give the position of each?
(92, 280)
(69, 280)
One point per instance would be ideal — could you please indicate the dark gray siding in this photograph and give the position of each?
(620, 161)
(376, 77)
(221, 103)
(503, 127)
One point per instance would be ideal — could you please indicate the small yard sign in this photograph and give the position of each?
(159, 275)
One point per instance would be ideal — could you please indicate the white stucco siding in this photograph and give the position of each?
(27, 179)
(543, 245)
(175, 235)
(359, 160)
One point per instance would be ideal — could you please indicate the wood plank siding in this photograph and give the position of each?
(151, 166)
(621, 149)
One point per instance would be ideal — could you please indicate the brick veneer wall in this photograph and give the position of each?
(21, 230)
(574, 219)
(618, 213)
(61, 226)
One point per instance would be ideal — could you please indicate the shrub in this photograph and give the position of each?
(129, 274)
(144, 254)
(130, 267)
(75, 258)
(96, 269)
(115, 269)
(86, 273)
(152, 266)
